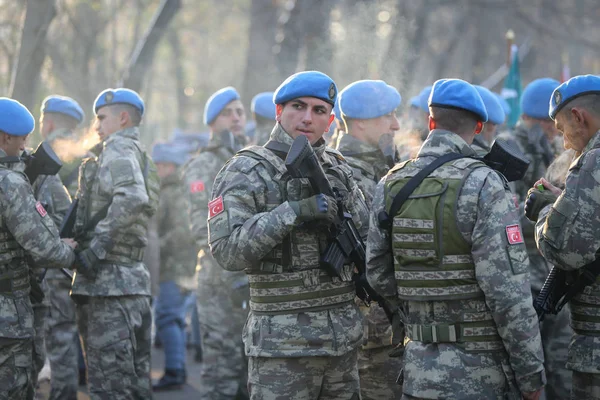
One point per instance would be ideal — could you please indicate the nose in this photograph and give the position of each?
(307, 116)
(395, 124)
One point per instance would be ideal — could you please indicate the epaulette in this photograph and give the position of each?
(335, 153)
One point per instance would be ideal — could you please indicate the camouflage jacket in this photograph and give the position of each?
(368, 167)
(480, 145)
(484, 212)
(198, 175)
(69, 172)
(25, 229)
(251, 219)
(116, 178)
(568, 235)
(177, 247)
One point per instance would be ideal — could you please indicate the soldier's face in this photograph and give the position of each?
(305, 116)
(576, 132)
(107, 122)
(165, 169)
(231, 118)
(13, 146)
(375, 127)
(45, 127)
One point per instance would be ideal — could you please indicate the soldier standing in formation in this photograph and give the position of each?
(482, 143)
(118, 195)
(456, 266)
(222, 295)
(368, 109)
(303, 329)
(263, 112)
(26, 230)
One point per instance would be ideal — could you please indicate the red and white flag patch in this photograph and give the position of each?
(196, 187)
(513, 233)
(215, 207)
(40, 209)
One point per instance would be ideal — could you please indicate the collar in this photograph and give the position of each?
(440, 142)
(278, 134)
(594, 143)
(129, 133)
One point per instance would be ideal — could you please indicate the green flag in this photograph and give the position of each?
(512, 88)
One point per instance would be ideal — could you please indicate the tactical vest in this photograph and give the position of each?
(432, 261)
(289, 279)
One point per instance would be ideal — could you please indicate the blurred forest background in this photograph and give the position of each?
(177, 52)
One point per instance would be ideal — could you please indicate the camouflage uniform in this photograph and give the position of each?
(113, 305)
(568, 236)
(25, 229)
(261, 135)
(376, 369)
(480, 145)
(303, 329)
(471, 331)
(555, 328)
(222, 295)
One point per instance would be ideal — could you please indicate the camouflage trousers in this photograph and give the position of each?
(302, 378)
(221, 324)
(40, 315)
(115, 336)
(378, 373)
(61, 341)
(585, 386)
(15, 369)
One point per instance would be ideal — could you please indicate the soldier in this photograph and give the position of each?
(59, 117)
(534, 135)
(303, 329)
(369, 112)
(263, 112)
(457, 266)
(118, 194)
(482, 142)
(222, 296)
(568, 232)
(177, 263)
(26, 230)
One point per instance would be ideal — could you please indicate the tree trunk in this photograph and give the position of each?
(180, 80)
(316, 20)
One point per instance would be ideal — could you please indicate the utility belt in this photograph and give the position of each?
(122, 254)
(294, 292)
(15, 283)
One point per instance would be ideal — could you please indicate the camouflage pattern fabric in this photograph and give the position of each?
(376, 369)
(221, 319)
(585, 386)
(323, 378)
(446, 368)
(568, 236)
(261, 135)
(15, 369)
(115, 334)
(480, 145)
(249, 220)
(40, 315)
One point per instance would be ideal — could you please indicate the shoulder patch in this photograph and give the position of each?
(215, 207)
(513, 234)
(121, 172)
(197, 187)
(40, 209)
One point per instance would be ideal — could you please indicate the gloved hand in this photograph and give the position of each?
(319, 207)
(85, 262)
(536, 200)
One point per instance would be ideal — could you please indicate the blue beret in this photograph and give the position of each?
(415, 101)
(169, 152)
(456, 93)
(571, 89)
(336, 110)
(15, 118)
(119, 96)
(62, 105)
(503, 103)
(217, 102)
(306, 84)
(262, 105)
(492, 105)
(424, 98)
(368, 99)
(536, 96)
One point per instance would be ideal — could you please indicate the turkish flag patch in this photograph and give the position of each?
(40, 209)
(196, 187)
(215, 207)
(513, 233)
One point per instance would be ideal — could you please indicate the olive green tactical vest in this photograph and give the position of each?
(432, 261)
(288, 279)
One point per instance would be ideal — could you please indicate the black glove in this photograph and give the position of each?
(36, 294)
(536, 200)
(85, 262)
(319, 207)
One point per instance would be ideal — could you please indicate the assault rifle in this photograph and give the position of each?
(345, 244)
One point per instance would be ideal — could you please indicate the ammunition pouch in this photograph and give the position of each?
(15, 283)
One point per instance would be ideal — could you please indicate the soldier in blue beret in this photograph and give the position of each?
(460, 218)
(482, 142)
(263, 112)
(368, 109)
(272, 226)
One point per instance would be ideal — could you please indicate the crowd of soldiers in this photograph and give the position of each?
(457, 252)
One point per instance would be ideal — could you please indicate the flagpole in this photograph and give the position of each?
(510, 40)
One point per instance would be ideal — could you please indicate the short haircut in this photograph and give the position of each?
(589, 102)
(62, 120)
(262, 121)
(134, 114)
(454, 119)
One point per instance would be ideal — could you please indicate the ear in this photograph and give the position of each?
(578, 115)
(124, 118)
(278, 111)
(431, 123)
(331, 119)
(478, 127)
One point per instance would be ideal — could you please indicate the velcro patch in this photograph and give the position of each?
(40, 209)
(196, 187)
(513, 233)
(215, 207)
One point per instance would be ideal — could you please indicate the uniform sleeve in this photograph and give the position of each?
(129, 197)
(380, 267)
(57, 198)
(568, 232)
(31, 226)
(501, 270)
(241, 233)
(198, 178)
